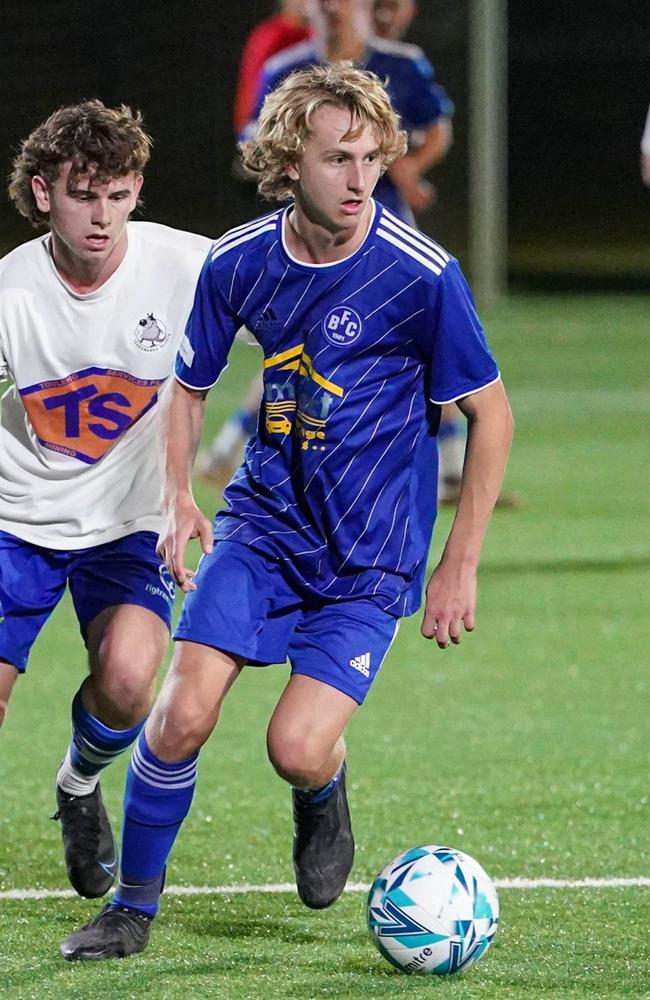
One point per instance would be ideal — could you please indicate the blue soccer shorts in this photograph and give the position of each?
(245, 606)
(33, 579)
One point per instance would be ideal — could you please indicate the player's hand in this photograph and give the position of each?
(450, 604)
(418, 193)
(183, 520)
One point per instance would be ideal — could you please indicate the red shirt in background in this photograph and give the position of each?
(271, 36)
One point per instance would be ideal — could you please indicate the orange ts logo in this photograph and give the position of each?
(83, 414)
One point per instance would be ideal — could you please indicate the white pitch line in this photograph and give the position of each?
(278, 887)
(571, 883)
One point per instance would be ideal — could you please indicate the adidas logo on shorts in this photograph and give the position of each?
(362, 664)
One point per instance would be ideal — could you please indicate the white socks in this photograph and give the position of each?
(73, 782)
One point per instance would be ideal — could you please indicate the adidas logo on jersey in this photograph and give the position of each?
(268, 321)
(362, 664)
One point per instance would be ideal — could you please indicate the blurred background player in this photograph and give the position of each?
(342, 30)
(286, 28)
(91, 315)
(392, 18)
(280, 31)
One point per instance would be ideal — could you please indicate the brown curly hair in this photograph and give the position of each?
(285, 121)
(99, 141)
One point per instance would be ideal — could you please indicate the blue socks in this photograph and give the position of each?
(93, 747)
(157, 799)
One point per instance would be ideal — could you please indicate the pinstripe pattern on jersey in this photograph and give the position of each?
(339, 482)
(260, 276)
(307, 368)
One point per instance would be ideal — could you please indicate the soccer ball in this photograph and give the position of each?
(433, 910)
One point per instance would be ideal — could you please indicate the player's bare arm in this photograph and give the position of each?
(408, 172)
(451, 591)
(435, 145)
(182, 421)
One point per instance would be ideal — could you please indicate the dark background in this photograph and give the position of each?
(579, 87)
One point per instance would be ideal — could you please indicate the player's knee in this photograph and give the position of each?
(3, 712)
(296, 758)
(123, 679)
(126, 693)
(180, 729)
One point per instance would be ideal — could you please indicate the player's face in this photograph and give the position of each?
(293, 8)
(338, 20)
(87, 218)
(335, 176)
(391, 18)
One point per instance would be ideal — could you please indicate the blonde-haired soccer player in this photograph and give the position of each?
(367, 328)
(343, 29)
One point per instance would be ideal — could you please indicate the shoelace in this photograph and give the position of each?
(87, 830)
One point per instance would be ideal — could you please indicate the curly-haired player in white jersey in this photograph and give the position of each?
(91, 315)
(367, 327)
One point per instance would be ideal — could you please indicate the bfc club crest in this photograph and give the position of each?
(342, 326)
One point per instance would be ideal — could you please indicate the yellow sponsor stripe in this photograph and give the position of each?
(305, 419)
(306, 368)
(287, 407)
(277, 359)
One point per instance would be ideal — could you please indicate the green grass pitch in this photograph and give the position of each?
(527, 746)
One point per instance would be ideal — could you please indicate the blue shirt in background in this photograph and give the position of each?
(410, 81)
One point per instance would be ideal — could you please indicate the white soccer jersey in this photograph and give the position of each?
(78, 451)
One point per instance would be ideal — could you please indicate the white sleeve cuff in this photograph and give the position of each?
(467, 392)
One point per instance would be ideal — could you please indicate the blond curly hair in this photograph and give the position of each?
(285, 121)
(103, 142)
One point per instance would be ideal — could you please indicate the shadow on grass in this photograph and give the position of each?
(623, 564)
(252, 928)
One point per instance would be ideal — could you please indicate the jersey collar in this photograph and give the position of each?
(334, 265)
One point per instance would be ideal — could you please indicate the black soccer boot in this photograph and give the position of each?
(88, 843)
(114, 933)
(323, 846)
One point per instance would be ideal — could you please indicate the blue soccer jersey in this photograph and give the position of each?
(409, 79)
(340, 479)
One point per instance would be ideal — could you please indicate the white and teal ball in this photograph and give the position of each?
(433, 910)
